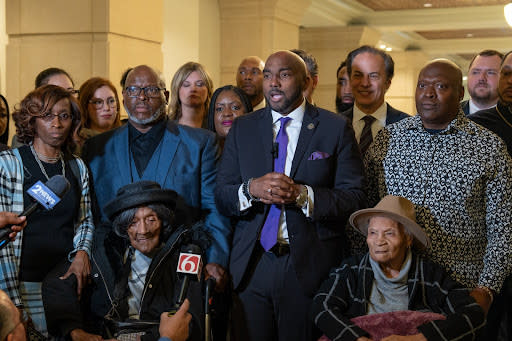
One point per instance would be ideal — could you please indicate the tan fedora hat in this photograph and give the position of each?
(397, 208)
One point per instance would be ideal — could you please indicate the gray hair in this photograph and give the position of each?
(125, 218)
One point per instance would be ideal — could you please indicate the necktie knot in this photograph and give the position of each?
(368, 119)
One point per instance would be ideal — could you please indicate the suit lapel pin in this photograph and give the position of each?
(311, 126)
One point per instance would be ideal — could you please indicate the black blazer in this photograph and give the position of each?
(316, 243)
(392, 115)
(464, 105)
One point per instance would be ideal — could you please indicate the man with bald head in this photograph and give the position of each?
(290, 176)
(249, 78)
(151, 147)
(459, 177)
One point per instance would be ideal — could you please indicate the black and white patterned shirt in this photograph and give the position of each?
(460, 181)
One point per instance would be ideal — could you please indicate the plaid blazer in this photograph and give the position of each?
(11, 200)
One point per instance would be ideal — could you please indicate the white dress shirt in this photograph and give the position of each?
(293, 131)
(473, 108)
(380, 120)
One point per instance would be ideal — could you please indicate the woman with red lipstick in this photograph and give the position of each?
(227, 103)
(100, 106)
(191, 90)
(47, 123)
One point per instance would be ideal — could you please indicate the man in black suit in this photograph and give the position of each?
(483, 76)
(290, 218)
(371, 71)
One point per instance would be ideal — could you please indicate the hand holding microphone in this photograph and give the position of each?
(46, 195)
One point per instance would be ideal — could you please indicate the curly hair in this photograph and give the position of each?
(37, 103)
(87, 91)
(211, 110)
(177, 81)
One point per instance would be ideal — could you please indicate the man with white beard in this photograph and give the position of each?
(151, 147)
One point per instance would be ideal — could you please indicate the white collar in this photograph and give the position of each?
(379, 114)
(296, 115)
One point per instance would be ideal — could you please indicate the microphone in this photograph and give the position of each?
(275, 150)
(210, 285)
(189, 264)
(46, 195)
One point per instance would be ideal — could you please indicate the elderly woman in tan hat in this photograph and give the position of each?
(393, 292)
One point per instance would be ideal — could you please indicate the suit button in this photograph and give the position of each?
(150, 286)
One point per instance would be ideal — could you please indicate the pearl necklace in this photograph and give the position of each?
(38, 157)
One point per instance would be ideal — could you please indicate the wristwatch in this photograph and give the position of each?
(302, 198)
(245, 190)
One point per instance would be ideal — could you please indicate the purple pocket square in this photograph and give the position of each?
(318, 156)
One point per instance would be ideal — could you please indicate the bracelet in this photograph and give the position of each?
(245, 190)
(487, 291)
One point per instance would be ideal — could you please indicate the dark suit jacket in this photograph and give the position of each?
(464, 105)
(189, 168)
(316, 243)
(392, 115)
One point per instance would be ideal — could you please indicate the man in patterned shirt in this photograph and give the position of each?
(459, 177)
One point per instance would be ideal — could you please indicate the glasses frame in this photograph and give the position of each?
(49, 117)
(103, 101)
(143, 89)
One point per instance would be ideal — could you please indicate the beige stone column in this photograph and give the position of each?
(257, 27)
(403, 86)
(330, 46)
(86, 38)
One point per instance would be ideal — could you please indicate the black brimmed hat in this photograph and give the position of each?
(141, 193)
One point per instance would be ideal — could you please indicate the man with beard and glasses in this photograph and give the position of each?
(344, 97)
(290, 176)
(482, 82)
(151, 147)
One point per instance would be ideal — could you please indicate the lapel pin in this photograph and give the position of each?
(311, 126)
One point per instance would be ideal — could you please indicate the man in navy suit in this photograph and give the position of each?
(151, 147)
(370, 71)
(289, 177)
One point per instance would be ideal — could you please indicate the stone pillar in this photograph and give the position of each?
(403, 86)
(330, 46)
(257, 27)
(86, 38)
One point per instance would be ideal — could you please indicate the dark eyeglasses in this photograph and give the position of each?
(98, 103)
(149, 91)
(63, 116)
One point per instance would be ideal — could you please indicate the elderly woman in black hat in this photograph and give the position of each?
(394, 283)
(134, 270)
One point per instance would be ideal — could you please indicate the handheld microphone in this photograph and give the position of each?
(210, 285)
(46, 195)
(189, 264)
(275, 150)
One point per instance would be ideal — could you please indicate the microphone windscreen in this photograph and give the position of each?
(59, 185)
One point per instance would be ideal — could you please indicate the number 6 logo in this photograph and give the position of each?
(189, 263)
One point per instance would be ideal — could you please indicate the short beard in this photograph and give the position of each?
(342, 106)
(153, 118)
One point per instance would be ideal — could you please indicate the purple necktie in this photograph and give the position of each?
(269, 231)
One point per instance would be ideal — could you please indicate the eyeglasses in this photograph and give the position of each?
(63, 116)
(98, 102)
(149, 91)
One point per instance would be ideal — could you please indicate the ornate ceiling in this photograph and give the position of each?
(454, 29)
